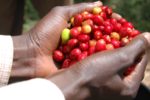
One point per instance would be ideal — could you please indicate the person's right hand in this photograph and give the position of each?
(100, 71)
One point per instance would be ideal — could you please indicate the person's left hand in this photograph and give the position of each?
(42, 40)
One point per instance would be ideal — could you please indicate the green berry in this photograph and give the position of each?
(65, 36)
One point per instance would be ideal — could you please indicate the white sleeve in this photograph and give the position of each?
(6, 58)
(35, 89)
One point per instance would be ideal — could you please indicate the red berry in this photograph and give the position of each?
(58, 56)
(117, 27)
(103, 15)
(74, 32)
(108, 29)
(106, 38)
(66, 49)
(113, 21)
(98, 20)
(72, 43)
(95, 28)
(100, 45)
(78, 20)
(128, 24)
(91, 50)
(122, 21)
(84, 46)
(75, 53)
(115, 43)
(83, 38)
(135, 33)
(129, 70)
(86, 15)
(108, 11)
(104, 8)
(83, 55)
(66, 63)
(124, 31)
(98, 35)
(101, 27)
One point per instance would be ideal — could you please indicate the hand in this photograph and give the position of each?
(33, 51)
(101, 73)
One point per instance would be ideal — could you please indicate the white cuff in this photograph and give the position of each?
(6, 58)
(35, 89)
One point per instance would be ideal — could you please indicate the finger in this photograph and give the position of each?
(115, 83)
(140, 44)
(147, 37)
(138, 73)
(116, 16)
(133, 81)
(78, 8)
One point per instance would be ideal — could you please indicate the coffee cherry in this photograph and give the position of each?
(128, 24)
(109, 11)
(91, 50)
(117, 27)
(86, 29)
(135, 33)
(58, 55)
(78, 20)
(115, 35)
(108, 29)
(113, 21)
(65, 36)
(66, 49)
(84, 46)
(92, 42)
(66, 63)
(109, 47)
(124, 41)
(103, 15)
(100, 45)
(75, 53)
(98, 35)
(74, 32)
(86, 15)
(97, 10)
(83, 55)
(115, 43)
(107, 38)
(88, 22)
(98, 20)
(83, 38)
(95, 28)
(72, 21)
(72, 43)
(122, 21)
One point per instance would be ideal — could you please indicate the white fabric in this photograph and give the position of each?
(35, 89)
(6, 58)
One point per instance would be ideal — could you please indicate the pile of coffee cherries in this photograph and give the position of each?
(92, 32)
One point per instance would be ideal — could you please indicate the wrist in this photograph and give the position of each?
(23, 53)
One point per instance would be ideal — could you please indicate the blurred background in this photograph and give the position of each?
(136, 11)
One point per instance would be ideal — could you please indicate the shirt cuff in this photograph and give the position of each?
(35, 89)
(6, 58)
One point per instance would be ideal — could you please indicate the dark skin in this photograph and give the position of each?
(33, 58)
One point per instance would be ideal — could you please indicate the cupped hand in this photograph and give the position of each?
(43, 39)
